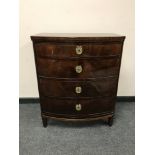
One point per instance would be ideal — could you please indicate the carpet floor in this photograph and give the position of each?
(69, 138)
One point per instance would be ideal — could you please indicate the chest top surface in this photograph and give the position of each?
(77, 37)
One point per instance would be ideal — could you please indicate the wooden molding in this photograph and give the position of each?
(29, 100)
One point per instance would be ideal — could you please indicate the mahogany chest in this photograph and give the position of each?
(77, 75)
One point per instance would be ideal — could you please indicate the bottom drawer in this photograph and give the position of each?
(75, 107)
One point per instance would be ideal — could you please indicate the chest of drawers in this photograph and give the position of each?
(77, 75)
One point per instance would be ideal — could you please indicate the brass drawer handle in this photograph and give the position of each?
(78, 107)
(78, 69)
(78, 50)
(78, 90)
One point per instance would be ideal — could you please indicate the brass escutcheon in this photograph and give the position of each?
(78, 107)
(78, 90)
(78, 69)
(78, 50)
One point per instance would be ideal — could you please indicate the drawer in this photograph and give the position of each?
(75, 107)
(91, 88)
(86, 50)
(89, 68)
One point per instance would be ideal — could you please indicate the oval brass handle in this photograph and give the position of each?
(78, 69)
(78, 50)
(78, 107)
(78, 90)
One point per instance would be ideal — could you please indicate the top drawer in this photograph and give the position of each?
(86, 50)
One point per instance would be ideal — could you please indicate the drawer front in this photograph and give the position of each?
(93, 88)
(87, 50)
(75, 107)
(78, 68)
